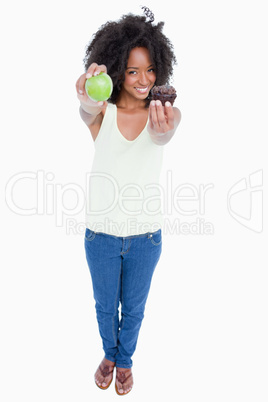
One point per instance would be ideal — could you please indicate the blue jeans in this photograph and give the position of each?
(121, 270)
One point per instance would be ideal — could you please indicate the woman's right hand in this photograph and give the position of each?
(93, 70)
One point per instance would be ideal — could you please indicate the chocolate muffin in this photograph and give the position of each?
(164, 93)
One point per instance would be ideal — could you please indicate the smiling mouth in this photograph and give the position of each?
(142, 90)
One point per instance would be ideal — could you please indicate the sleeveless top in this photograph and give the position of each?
(124, 197)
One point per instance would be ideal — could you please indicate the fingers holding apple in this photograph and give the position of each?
(95, 69)
(99, 87)
(95, 85)
(81, 92)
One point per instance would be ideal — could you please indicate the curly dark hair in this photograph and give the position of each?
(114, 40)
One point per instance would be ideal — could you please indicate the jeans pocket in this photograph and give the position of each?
(89, 235)
(156, 238)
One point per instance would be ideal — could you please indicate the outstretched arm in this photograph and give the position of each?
(91, 112)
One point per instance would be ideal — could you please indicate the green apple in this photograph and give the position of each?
(99, 87)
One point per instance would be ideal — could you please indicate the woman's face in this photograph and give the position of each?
(140, 74)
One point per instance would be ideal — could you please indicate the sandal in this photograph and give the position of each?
(122, 377)
(105, 370)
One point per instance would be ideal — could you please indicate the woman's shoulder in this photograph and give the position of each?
(107, 109)
(95, 127)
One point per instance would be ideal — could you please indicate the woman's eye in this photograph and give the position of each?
(133, 72)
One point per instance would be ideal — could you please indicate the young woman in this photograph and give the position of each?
(123, 239)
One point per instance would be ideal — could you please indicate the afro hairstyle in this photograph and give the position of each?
(112, 43)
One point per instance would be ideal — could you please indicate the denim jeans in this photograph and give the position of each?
(121, 270)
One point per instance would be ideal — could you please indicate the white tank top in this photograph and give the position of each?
(123, 190)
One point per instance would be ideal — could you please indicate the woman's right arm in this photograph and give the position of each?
(91, 112)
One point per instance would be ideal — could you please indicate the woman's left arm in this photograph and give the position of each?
(163, 122)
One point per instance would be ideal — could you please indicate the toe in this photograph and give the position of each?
(124, 381)
(99, 382)
(128, 389)
(119, 387)
(104, 373)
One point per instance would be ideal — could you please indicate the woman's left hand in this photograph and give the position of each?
(163, 121)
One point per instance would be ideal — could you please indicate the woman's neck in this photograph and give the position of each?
(125, 101)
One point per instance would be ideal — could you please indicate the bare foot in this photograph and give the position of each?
(124, 381)
(104, 374)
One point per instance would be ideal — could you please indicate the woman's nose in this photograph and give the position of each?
(143, 79)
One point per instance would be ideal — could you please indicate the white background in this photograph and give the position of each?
(205, 332)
